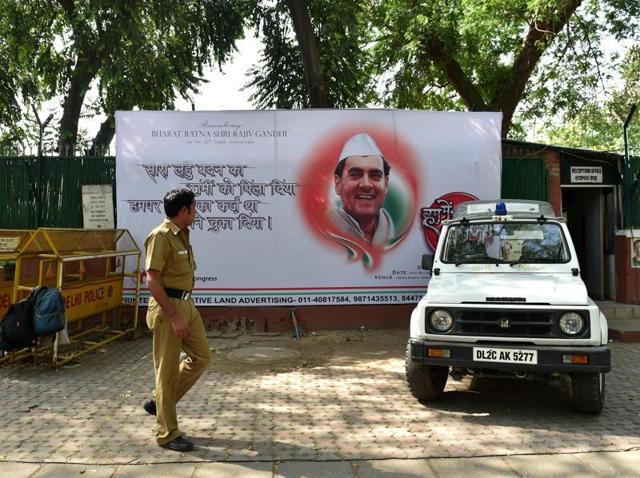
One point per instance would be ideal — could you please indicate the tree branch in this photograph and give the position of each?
(591, 51)
(536, 42)
(469, 93)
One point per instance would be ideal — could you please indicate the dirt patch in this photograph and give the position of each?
(315, 349)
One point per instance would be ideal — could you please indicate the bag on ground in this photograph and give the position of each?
(48, 311)
(17, 329)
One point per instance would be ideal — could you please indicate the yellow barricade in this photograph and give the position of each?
(88, 266)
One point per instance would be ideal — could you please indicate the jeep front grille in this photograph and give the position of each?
(510, 323)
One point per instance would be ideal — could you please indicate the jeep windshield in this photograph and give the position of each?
(505, 243)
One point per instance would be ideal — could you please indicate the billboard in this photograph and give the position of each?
(275, 224)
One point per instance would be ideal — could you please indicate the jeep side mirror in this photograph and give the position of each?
(427, 262)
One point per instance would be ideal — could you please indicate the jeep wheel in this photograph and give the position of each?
(588, 391)
(426, 382)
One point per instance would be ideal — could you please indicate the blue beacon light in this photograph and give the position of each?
(501, 209)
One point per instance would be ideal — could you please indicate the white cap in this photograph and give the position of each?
(360, 144)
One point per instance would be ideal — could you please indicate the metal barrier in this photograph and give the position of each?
(89, 267)
(10, 243)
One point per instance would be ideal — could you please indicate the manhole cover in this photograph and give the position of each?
(263, 354)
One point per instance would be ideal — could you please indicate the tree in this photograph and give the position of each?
(496, 55)
(599, 123)
(308, 45)
(141, 52)
(314, 54)
(9, 108)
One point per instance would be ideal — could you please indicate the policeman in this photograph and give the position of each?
(172, 316)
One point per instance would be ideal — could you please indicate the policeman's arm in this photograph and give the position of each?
(179, 323)
(158, 292)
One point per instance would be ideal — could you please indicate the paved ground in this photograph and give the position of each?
(343, 403)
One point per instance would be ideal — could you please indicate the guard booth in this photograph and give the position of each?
(590, 192)
(584, 187)
(11, 241)
(89, 267)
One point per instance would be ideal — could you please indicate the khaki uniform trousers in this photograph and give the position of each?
(173, 377)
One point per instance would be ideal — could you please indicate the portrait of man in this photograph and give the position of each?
(361, 181)
(635, 254)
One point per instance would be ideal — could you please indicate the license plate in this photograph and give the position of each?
(492, 354)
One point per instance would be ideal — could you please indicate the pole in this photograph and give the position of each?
(38, 186)
(629, 183)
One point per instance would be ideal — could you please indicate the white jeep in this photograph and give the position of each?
(506, 299)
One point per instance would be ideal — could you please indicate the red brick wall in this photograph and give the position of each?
(554, 191)
(278, 319)
(627, 278)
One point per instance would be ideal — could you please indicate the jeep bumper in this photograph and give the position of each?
(549, 358)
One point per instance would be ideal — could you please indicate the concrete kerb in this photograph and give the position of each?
(588, 464)
(618, 311)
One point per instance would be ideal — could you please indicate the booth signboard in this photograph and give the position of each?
(586, 174)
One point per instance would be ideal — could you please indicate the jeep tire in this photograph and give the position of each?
(588, 391)
(426, 382)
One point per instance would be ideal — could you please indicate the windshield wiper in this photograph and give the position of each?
(534, 260)
(479, 260)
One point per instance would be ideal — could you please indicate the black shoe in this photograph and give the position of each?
(178, 444)
(150, 407)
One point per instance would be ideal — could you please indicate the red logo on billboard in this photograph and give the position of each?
(440, 210)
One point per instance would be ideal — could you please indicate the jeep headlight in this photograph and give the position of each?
(571, 323)
(441, 320)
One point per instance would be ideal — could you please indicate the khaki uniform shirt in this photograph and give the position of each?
(169, 252)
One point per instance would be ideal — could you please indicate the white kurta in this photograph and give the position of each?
(384, 230)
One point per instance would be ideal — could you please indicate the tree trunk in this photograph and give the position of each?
(538, 39)
(316, 84)
(84, 72)
(103, 138)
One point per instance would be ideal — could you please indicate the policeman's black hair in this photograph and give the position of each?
(340, 167)
(176, 199)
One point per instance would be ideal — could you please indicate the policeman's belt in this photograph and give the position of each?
(177, 293)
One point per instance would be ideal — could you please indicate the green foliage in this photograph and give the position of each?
(421, 54)
(279, 76)
(164, 50)
(421, 43)
(9, 109)
(142, 53)
(598, 124)
(342, 31)
(482, 36)
(592, 128)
